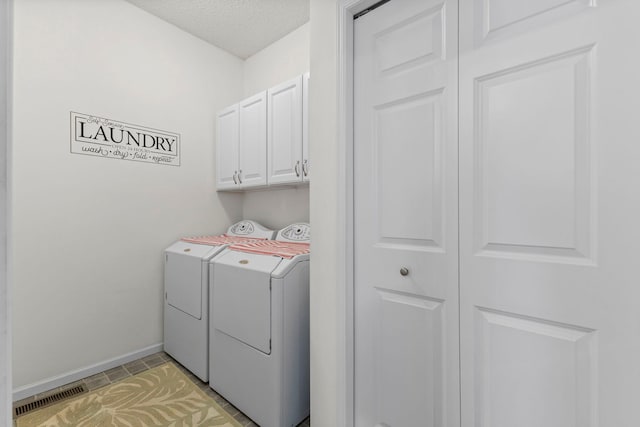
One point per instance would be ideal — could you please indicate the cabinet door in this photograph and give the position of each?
(227, 148)
(306, 162)
(252, 166)
(284, 136)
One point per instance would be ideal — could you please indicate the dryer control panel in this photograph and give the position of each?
(299, 232)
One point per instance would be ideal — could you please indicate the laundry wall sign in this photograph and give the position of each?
(98, 136)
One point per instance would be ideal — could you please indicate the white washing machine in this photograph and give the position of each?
(186, 297)
(259, 358)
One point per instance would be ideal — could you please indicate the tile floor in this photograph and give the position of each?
(112, 375)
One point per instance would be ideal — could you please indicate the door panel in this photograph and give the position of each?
(528, 364)
(284, 127)
(242, 297)
(407, 170)
(548, 222)
(405, 180)
(227, 147)
(534, 184)
(253, 141)
(183, 283)
(502, 18)
(306, 160)
(421, 387)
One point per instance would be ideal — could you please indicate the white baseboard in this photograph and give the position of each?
(60, 380)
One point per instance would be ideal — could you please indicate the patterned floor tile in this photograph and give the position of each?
(116, 374)
(135, 367)
(112, 375)
(97, 383)
(95, 377)
(153, 362)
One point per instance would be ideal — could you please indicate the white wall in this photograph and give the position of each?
(5, 300)
(325, 373)
(88, 232)
(277, 208)
(278, 62)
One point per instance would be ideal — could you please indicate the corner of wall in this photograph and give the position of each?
(6, 38)
(276, 63)
(327, 390)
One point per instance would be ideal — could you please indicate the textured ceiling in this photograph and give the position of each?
(241, 27)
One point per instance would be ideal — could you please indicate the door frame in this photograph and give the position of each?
(346, 9)
(6, 66)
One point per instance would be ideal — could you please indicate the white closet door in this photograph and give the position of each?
(227, 148)
(284, 138)
(405, 189)
(549, 209)
(252, 167)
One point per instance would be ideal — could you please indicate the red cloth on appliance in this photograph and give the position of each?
(272, 247)
(220, 240)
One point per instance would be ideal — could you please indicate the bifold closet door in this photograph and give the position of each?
(405, 194)
(549, 211)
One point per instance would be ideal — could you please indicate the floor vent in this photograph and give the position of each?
(48, 400)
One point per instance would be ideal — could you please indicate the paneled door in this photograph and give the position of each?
(405, 195)
(227, 147)
(253, 141)
(549, 210)
(284, 127)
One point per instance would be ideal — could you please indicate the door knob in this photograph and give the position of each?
(404, 271)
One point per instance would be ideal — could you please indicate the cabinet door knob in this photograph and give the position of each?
(235, 181)
(297, 168)
(404, 271)
(305, 167)
(240, 177)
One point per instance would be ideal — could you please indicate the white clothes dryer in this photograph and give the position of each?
(186, 293)
(259, 358)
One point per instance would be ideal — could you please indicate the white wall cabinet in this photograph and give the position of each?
(284, 132)
(306, 161)
(263, 140)
(227, 153)
(252, 166)
(241, 145)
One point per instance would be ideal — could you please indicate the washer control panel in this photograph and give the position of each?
(250, 229)
(242, 228)
(299, 232)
